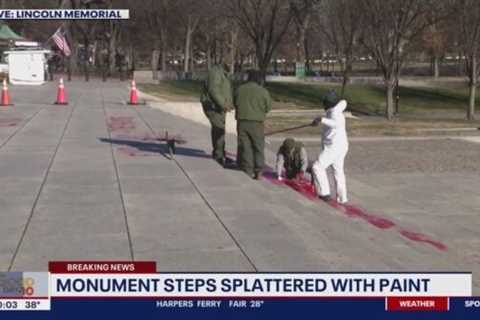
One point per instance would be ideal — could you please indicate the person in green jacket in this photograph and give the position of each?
(216, 101)
(292, 160)
(252, 103)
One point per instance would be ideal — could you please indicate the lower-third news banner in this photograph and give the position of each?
(136, 290)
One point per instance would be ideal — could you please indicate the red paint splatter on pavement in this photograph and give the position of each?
(303, 186)
(306, 188)
(418, 237)
(134, 152)
(356, 212)
(121, 123)
(134, 143)
(9, 122)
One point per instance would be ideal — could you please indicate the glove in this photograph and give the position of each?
(279, 178)
(316, 121)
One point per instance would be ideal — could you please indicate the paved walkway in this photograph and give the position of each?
(88, 181)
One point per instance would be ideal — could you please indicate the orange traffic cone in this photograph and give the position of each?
(5, 95)
(61, 97)
(133, 94)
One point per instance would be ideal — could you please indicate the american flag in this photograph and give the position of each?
(61, 42)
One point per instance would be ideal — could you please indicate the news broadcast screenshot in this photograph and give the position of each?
(239, 159)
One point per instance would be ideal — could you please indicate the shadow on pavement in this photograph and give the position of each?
(151, 147)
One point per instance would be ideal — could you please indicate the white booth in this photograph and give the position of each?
(26, 66)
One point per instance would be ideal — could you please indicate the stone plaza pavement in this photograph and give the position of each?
(88, 181)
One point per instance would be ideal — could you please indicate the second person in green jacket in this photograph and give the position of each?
(252, 103)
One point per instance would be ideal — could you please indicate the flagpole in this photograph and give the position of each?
(46, 41)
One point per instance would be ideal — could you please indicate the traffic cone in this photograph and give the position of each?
(5, 95)
(133, 94)
(61, 97)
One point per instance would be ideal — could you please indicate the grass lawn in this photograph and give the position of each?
(421, 107)
(375, 126)
(174, 90)
(369, 98)
(362, 98)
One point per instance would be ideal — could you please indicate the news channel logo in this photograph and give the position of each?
(23, 284)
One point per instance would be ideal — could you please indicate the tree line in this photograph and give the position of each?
(189, 34)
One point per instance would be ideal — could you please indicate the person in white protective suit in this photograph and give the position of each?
(334, 149)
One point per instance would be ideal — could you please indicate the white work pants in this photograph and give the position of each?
(331, 156)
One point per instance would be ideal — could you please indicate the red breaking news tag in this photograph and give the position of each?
(102, 267)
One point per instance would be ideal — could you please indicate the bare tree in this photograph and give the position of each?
(86, 29)
(435, 42)
(302, 12)
(216, 33)
(208, 34)
(245, 50)
(77, 31)
(190, 27)
(265, 22)
(233, 48)
(467, 18)
(389, 28)
(340, 20)
(157, 15)
(190, 14)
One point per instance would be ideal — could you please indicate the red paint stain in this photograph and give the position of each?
(9, 122)
(133, 152)
(302, 186)
(305, 188)
(419, 237)
(356, 212)
(121, 123)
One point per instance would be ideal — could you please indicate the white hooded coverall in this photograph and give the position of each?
(335, 148)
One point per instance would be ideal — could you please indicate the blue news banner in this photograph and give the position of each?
(324, 308)
(135, 290)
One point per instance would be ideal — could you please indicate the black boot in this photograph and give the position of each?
(326, 198)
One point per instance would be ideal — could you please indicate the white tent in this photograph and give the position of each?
(26, 66)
